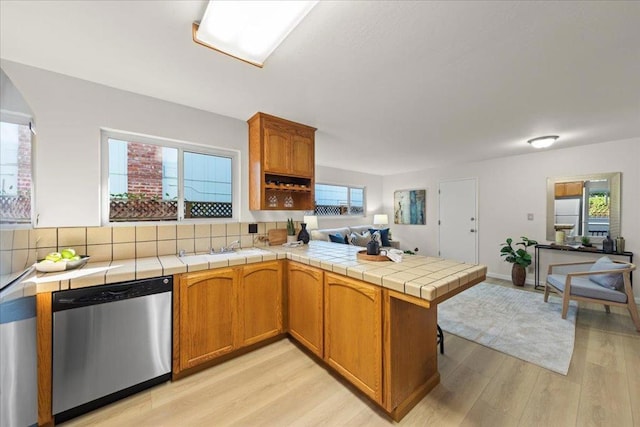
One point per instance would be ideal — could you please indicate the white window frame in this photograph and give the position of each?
(181, 146)
(25, 120)
(349, 187)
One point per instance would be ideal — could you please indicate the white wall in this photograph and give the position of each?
(510, 188)
(11, 100)
(70, 113)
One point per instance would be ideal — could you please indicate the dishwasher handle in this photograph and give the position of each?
(76, 298)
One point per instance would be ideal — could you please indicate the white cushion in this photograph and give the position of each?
(357, 239)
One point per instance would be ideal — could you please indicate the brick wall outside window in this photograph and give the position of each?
(144, 169)
(24, 160)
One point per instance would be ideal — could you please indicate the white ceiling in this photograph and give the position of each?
(391, 86)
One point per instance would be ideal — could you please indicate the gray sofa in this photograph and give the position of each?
(323, 234)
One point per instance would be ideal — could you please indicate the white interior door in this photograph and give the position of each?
(458, 220)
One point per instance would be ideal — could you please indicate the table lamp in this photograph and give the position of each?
(380, 220)
(311, 221)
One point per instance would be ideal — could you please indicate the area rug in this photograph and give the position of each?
(515, 322)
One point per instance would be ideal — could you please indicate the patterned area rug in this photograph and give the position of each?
(515, 322)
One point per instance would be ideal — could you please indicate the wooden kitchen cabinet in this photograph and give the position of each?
(260, 302)
(208, 316)
(306, 301)
(569, 189)
(281, 164)
(353, 332)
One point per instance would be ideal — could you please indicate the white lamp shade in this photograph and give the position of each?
(380, 219)
(311, 221)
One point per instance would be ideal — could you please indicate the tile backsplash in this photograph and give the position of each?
(21, 248)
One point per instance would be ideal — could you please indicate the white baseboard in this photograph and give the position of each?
(530, 281)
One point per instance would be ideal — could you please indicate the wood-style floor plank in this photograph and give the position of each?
(604, 398)
(554, 401)
(280, 385)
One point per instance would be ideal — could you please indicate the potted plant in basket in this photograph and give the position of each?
(520, 258)
(291, 231)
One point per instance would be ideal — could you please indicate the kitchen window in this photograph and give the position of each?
(15, 169)
(339, 200)
(157, 180)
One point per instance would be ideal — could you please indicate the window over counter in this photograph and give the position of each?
(15, 169)
(339, 200)
(149, 179)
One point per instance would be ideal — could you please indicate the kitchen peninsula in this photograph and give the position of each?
(374, 323)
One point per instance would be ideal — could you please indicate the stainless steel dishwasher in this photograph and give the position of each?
(109, 342)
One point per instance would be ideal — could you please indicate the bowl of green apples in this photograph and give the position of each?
(66, 259)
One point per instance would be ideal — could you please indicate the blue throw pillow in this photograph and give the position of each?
(608, 280)
(384, 235)
(337, 238)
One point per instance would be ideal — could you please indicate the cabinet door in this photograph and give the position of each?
(574, 189)
(353, 332)
(208, 315)
(306, 305)
(569, 189)
(277, 151)
(302, 156)
(260, 302)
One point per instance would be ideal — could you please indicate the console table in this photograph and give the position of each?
(597, 252)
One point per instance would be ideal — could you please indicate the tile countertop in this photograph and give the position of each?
(428, 278)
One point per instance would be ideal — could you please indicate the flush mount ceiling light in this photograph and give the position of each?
(543, 141)
(249, 30)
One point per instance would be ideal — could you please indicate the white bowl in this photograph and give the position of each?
(46, 266)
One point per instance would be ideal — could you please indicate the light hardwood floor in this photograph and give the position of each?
(280, 385)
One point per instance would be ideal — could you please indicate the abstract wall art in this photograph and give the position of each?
(410, 207)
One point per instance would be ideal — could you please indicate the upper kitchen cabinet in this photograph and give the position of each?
(281, 164)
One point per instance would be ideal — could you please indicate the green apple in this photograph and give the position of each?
(53, 256)
(68, 253)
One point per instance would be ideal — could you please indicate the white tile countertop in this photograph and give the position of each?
(428, 278)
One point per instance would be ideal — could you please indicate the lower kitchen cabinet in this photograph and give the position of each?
(353, 332)
(222, 310)
(208, 316)
(260, 302)
(305, 293)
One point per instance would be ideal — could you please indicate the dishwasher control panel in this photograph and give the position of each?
(75, 298)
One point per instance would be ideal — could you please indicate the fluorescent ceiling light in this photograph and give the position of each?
(543, 141)
(249, 30)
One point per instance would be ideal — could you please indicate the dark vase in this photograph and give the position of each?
(373, 247)
(607, 245)
(303, 234)
(518, 274)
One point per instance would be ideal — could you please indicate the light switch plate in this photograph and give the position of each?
(530, 217)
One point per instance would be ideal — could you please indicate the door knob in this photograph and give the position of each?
(472, 230)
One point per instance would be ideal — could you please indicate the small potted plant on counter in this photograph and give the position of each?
(291, 231)
(586, 241)
(520, 258)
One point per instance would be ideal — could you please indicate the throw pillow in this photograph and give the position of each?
(336, 238)
(607, 280)
(384, 235)
(360, 239)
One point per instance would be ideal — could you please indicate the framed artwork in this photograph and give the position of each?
(410, 207)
